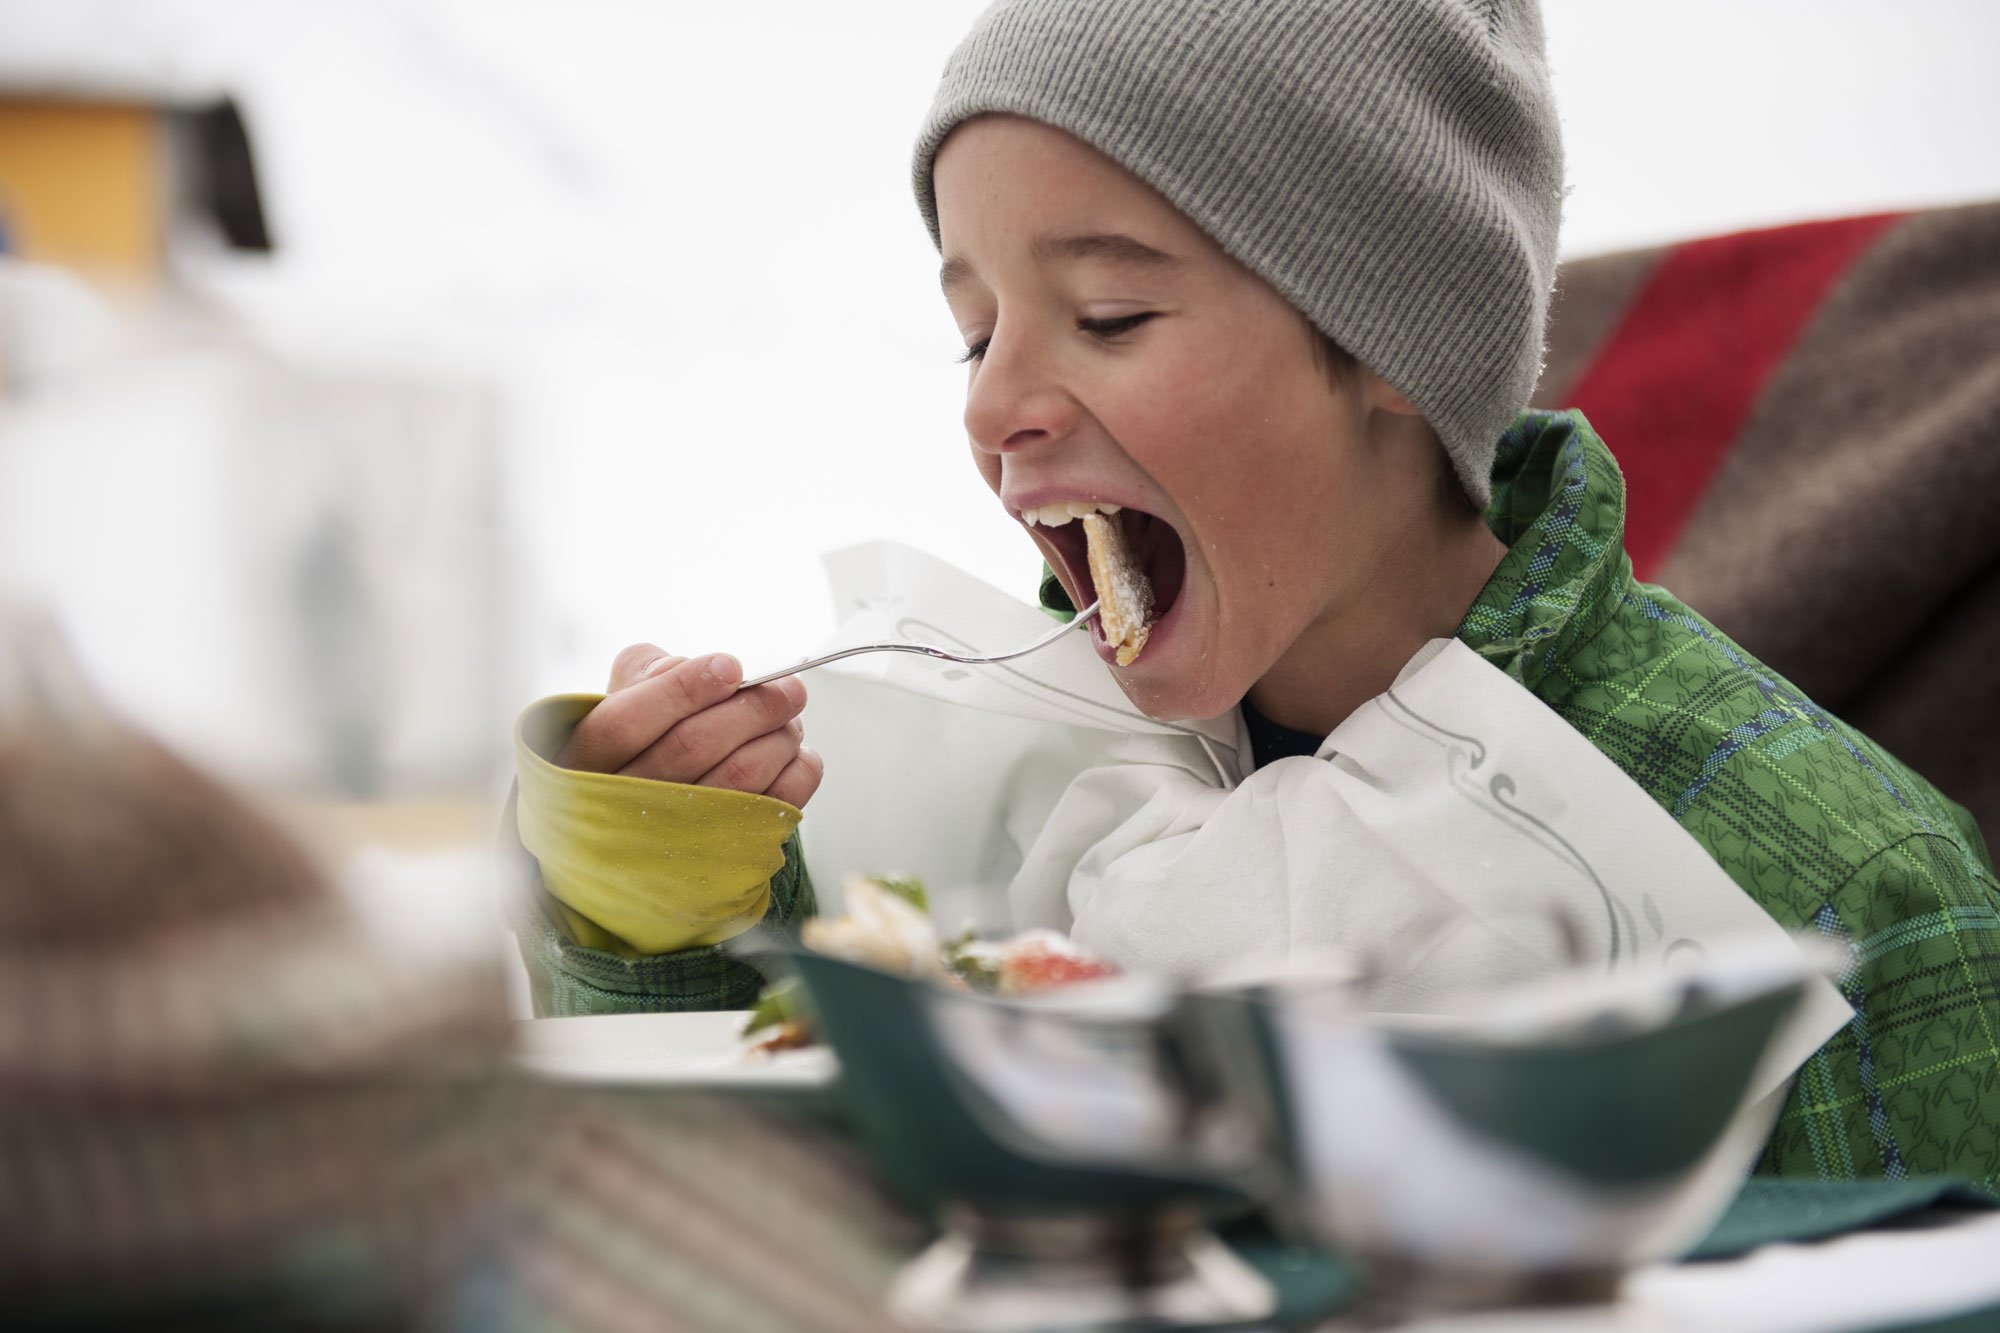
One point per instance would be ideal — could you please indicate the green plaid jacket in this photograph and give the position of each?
(1823, 828)
(1819, 825)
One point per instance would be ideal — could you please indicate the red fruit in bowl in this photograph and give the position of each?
(1040, 962)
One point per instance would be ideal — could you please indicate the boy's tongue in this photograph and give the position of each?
(1157, 547)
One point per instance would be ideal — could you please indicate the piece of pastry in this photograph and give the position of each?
(882, 929)
(1124, 596)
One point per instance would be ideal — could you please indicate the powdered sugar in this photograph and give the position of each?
(1125, 595)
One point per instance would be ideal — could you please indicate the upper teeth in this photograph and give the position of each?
(1062, 511)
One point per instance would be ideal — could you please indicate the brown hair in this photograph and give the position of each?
(1334, 361)
(1340, 367)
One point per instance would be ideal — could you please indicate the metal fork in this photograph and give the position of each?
(1083, 617)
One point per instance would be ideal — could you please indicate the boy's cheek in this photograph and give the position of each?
(1202, 398)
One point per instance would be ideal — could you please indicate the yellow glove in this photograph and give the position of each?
(639, 866)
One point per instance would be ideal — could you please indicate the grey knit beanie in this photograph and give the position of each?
(1392, 167)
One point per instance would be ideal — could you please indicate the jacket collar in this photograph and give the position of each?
(1559, 504)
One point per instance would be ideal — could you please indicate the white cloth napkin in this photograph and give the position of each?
(1453, 836)
(950, 773)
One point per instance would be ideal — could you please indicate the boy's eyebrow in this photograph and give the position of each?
(955, 274)
(1114, 247)
(1110, 247)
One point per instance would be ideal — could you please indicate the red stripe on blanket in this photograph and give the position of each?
(1679, 373)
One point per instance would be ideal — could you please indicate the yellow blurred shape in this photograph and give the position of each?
(82, 184)
(637, 866)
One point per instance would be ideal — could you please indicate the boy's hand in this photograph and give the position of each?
(681, 719)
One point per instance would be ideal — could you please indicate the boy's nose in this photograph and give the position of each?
(1014, 402)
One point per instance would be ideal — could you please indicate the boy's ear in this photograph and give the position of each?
(1379, 393)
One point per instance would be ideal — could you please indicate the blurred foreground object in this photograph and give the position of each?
(223, 1099)
(227, 1103)
(1541, 1148)
(1076, 1148)
(1807, 419)
(1533, 1148)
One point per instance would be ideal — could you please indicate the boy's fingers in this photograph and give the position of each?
(700, 742)
(755, 766)
(638, 662)
(801, 778)
(632, 720)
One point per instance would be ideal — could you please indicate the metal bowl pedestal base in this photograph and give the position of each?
(1040, 1274)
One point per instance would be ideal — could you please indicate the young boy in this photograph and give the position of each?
(1272, 279)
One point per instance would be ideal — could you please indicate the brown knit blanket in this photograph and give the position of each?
(1808, 418)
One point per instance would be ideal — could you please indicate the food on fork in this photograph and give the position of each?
(1125, 608)
(1125, 597)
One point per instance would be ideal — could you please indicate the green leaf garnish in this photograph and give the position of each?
(973, 962)
(779, 1003)
(906, 887)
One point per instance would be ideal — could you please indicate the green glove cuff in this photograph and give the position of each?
(567, 977)
(637, 867)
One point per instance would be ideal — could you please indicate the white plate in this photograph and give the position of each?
(682, 1050)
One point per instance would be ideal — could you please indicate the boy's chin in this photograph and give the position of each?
(1169, 698)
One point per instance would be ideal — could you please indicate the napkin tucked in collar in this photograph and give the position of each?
(1451, 837)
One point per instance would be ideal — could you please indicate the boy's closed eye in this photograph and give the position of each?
(1100, 328)
(1111, 328)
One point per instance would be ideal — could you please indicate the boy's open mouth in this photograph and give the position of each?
(1154, 546)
